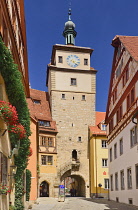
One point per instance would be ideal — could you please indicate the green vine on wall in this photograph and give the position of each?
(28, 184)
(16, 95)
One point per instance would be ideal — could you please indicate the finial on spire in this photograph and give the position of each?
(69, 31)
(69, 13)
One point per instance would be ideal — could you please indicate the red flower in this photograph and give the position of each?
(8, 113)
(17, 129)
(30, 152)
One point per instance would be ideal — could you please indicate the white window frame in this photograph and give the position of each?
(133, 136)
(121, 146)
(104, 163)
(129, 178)
(104, 143)
(106, 184)
(122, 179)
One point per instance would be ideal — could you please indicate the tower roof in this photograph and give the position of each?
(69, 30)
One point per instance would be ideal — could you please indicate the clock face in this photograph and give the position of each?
(73, 60)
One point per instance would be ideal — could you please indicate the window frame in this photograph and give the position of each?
(73, 81)
(104, 142)
(60, 59)
(133, 139)
(104, 162)
(111, 182)
(111, 154)
(129, 178)
(63, 96)
(122, 179)
(46, 160)
(116, 181)
(106, 183)
(85, 61)
(83, 98)
(121, 146)
(115, 151)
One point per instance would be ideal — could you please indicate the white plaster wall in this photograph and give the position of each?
(128, 159)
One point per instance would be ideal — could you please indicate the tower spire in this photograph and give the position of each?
(69, 31)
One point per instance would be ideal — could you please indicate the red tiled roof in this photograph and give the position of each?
(100, 117)
(40, 111)
(130, 43)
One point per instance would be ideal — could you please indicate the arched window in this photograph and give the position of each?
(74, 155)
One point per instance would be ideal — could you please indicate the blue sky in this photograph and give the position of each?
(97, 22)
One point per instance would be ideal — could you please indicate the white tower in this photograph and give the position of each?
(71, 85)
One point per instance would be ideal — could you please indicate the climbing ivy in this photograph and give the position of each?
(28, 184)
(16, 95)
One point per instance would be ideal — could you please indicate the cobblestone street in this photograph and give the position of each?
(78, 203)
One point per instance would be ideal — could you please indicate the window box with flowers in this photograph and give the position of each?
(4, 189)
(8, 113)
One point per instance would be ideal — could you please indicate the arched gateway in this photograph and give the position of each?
(74, 181)
(44, 189)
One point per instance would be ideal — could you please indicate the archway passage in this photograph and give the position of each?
(74, 185)
(44, 189)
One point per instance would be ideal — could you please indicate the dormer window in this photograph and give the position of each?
(103, 127)
(44, 123)
(36, 101)
(60, 59)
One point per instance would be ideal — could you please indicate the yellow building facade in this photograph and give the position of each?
(98, 153)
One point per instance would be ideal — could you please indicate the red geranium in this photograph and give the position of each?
(30, 152)
(8, 113)
(18, 129)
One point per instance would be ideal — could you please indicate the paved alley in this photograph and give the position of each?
(79, 203)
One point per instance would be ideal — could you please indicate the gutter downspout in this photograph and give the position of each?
(96, 166)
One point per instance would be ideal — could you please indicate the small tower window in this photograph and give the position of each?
(85, 61)
(79, 138)
(60, 59)
(83, 97)
(74, 155)
(73, 81)
(63, 96)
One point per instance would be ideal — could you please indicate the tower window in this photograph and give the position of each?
(74, 155)
(85, 61)
(63, 96)
(60, 59)
(73, 81)
(79, 138)
(83, 97)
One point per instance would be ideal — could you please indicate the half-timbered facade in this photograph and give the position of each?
(42, 163)
(121, 119)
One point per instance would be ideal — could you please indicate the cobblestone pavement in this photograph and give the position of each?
(78, 203)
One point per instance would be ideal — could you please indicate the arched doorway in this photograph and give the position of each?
(44, 189)
(73, 183)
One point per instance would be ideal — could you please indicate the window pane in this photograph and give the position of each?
(73, 81)
(60, 60)
(129, 178)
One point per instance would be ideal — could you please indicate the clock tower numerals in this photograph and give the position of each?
(73, 60)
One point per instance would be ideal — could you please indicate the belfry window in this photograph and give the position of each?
(74, 155)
